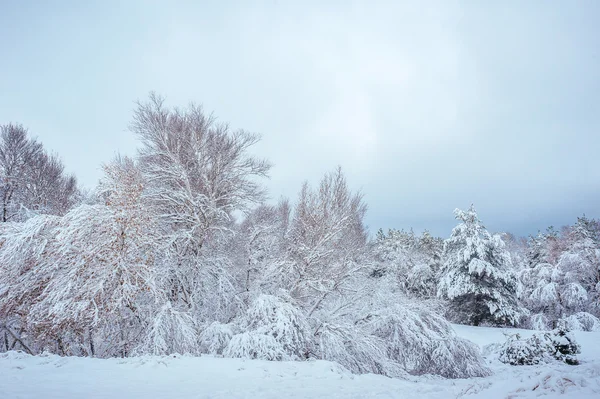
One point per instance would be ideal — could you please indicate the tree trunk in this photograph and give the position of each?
(91, 338)
(61, 348)
(18, 339)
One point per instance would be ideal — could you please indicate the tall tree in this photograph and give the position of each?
(327, 240)
(198, 174)
(477, 276)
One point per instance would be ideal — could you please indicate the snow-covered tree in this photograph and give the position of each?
(564, 279)
(477, 278)
(157, 261)
(25, 251)
(327, 242)
(198, 173)
(262, 244)
(103, 275)
(518, 248)
(313, 260)
(545, 247)
(32, 181)
(324, 300)
(16, 153)
(416, 338)
(580, 260)
(414, 261)
(551, 294)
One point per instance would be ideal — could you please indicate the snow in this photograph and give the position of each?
(23, 376)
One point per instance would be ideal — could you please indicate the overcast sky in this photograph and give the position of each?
(427, 106)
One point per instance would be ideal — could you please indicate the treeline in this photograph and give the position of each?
(155, 262)
(33, 181)
(538, 282)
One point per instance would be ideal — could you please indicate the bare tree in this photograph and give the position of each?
(327, 239)
(198, 173)
(48, 188)
(31, 178)
(16, 152)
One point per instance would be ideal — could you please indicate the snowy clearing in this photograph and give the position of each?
(24, 376)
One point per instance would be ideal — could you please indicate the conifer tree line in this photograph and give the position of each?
(157, 260)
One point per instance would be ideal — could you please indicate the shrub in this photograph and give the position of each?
(518, 352)
(355, 349)
(279, 318)
(424, 343)
(254, 345)
(582, 321)
(171, 331)
(538, 321)
(564, 346)
(543, 347)
(215, 338)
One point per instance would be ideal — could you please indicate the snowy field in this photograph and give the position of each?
(24, 376)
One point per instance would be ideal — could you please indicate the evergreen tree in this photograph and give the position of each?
(476, 276)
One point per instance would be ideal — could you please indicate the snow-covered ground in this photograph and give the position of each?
(23, 376)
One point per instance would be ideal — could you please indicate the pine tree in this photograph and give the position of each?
(476, 277)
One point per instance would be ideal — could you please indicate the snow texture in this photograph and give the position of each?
(184, 377)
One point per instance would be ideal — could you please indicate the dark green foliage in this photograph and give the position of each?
(558, 344)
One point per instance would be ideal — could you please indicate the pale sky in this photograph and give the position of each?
(427, 106)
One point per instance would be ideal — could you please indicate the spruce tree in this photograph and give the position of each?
(477, 276)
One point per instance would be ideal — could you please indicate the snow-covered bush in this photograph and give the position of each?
(564, 346)
(424, 343)
(518, 352)
(280, 319)
(170, 331)
(253, 345)
(581, 321)
(538, 321)
(558, 344)
(215, 338)
(355, 349)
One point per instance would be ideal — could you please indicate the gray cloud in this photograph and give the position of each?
(426, 107)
